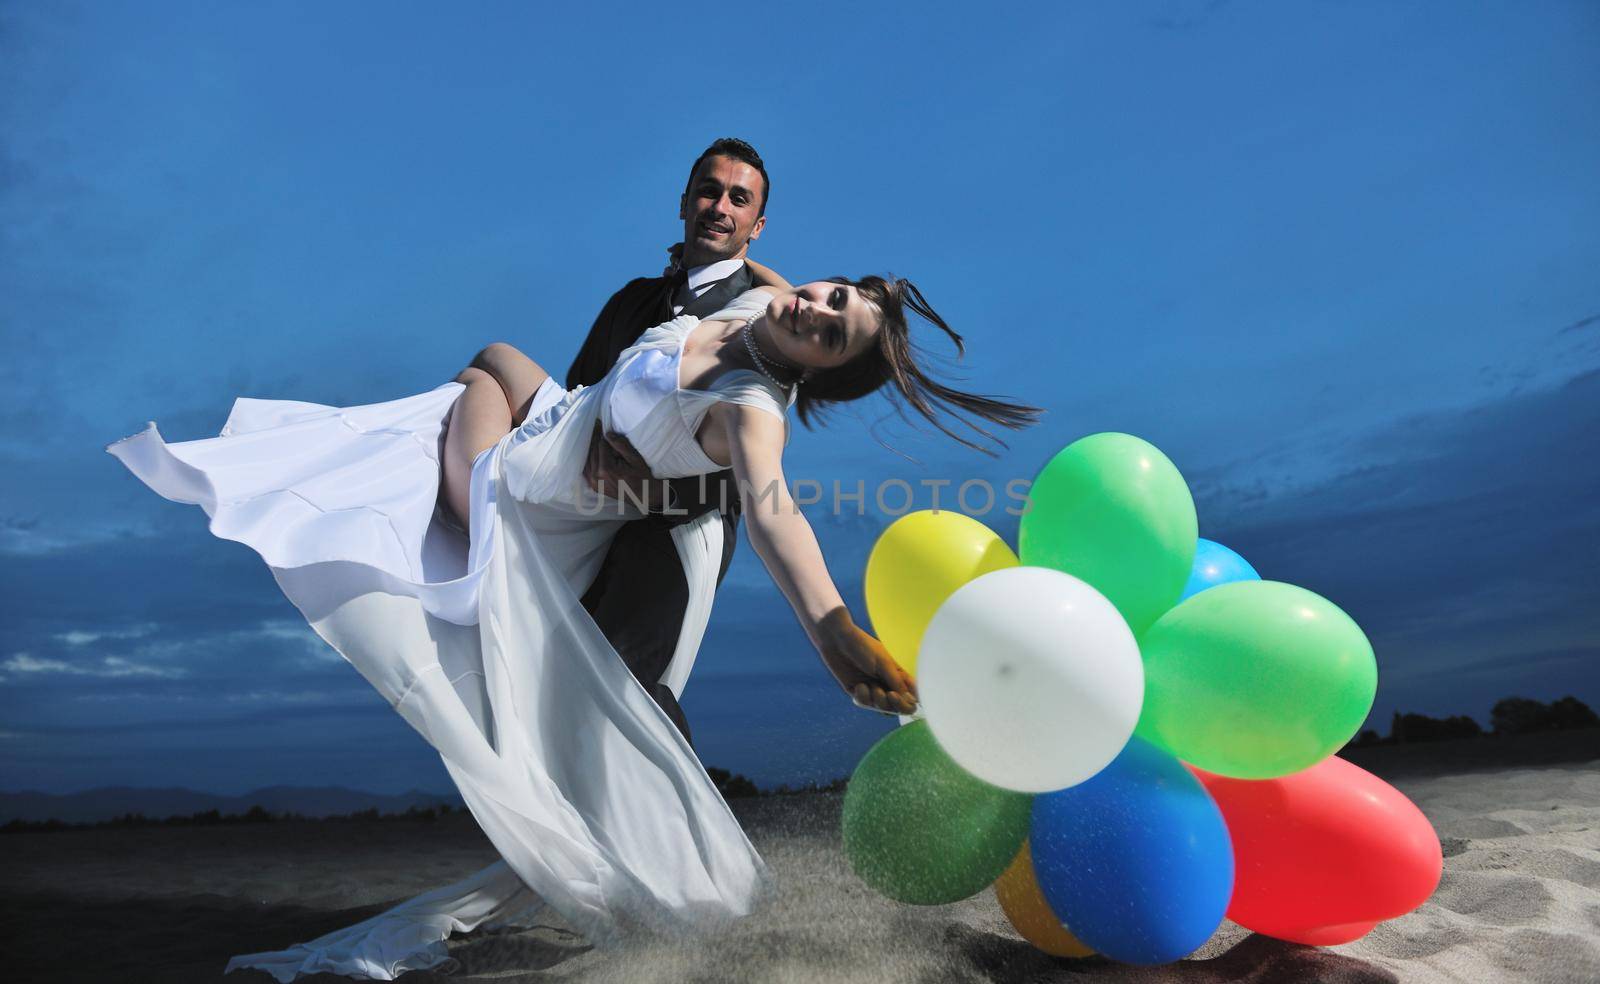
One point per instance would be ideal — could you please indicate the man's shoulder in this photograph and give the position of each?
(633, 297)
(655, 281)
(638, 284)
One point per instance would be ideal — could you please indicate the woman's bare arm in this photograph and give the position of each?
(783, 539)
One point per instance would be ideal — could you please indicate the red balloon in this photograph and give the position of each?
(1325, 854)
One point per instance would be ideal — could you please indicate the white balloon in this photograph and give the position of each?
(1030, 679)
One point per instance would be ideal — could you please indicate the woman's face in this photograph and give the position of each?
(821, 325)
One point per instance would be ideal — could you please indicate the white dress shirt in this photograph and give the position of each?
(702, 277)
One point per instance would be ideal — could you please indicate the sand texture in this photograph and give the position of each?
(1520, 901)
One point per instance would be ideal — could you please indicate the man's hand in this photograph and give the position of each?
(864, 667)
(613, 462)
(674, 259)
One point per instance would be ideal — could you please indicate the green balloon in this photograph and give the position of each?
(1113, 511)
(1255, 679)
(921, 829)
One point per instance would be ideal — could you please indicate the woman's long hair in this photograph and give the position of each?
(893, 360)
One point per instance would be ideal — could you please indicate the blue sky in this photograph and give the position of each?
(1337, 260)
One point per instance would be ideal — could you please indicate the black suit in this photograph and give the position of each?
(640, 595)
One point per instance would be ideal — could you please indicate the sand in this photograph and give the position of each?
(1520, 901)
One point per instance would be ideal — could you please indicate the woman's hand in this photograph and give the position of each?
(863, 666)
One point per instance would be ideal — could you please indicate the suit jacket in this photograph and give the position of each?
(641, 594)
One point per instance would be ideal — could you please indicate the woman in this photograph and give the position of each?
(593, 798)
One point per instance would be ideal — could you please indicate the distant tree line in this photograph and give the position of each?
(734, 786)
(731, 785)
(212, 818)
(1509, 716)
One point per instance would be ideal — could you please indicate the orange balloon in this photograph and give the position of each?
(1030, 914)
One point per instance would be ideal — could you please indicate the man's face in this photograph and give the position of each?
(721, 212)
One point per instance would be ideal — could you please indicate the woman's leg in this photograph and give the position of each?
(478, 421)
(519, 376)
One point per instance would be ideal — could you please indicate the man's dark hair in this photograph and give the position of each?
(740, 151)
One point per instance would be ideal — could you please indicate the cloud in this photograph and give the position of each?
(121, 672)
(1186, 17)
(1516, 463)
(80, 637)
(1462, 541)
(296, 640)
(1461, 538)
(114, 667)
(195, 583)
(253, 708)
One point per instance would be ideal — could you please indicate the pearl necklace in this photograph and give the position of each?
(748, 333)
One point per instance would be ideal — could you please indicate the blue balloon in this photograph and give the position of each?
(1136, 861)
(1215, 564)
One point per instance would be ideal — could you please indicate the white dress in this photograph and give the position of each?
(596, 803)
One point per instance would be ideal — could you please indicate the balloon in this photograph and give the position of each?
(1215, 564)
(1136, 860)
(1323, 855)
(1030, 679)
(1030, 915)
(1113, 510)
(1255, 679)
(915, 565)
(920, 830)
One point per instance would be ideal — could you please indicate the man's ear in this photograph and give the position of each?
(755, 230)
(683, 207)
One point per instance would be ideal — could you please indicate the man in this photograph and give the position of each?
(641, 597)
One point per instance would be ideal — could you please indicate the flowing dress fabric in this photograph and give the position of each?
(597, 805)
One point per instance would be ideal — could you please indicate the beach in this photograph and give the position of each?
(1519, 821)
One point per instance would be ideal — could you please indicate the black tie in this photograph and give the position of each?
(682, 295)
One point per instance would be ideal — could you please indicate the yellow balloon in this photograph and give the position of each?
(1030, 914)
(918, 562)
